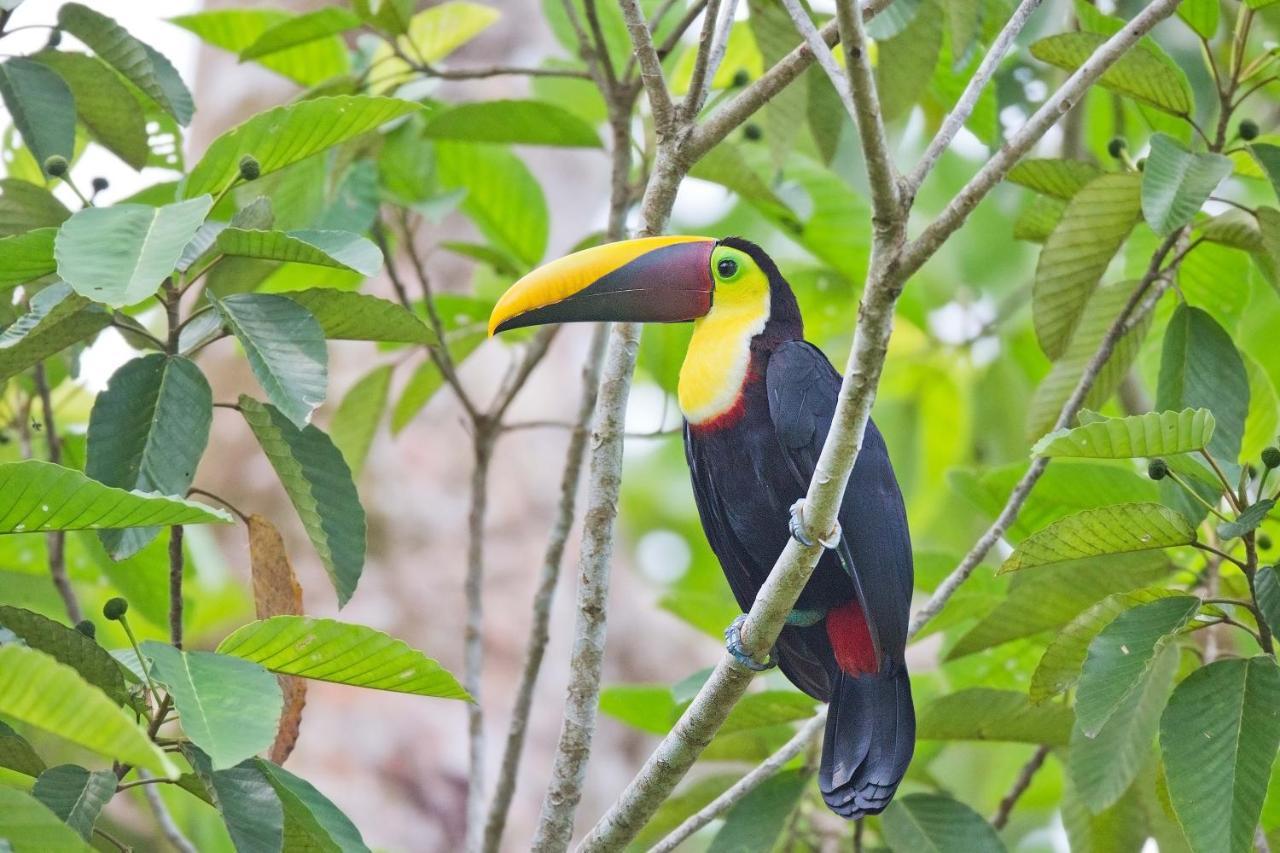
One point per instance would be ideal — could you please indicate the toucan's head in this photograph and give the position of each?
(651, 280)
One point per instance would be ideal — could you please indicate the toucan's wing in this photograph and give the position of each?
(803, 388)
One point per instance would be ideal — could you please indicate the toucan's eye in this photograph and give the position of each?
(727, 268)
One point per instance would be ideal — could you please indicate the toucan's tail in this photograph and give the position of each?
(871, 732)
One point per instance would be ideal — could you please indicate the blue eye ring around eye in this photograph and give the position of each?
(727, 268)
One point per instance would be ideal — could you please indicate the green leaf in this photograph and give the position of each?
(75, 795)
(1250, 519)
(1267, 591)
(319, 485)
(1094, 225)
(348, 316)
(137, 62)
(16, 754)
(25, 206)
(756, 821)
(38, 690)
(1201, 16)
(25, 257)
(934, 823)
(1144, 73)
(1059, 667)
(358, 416)
(1267, 157)
(1150, 434)
(284, 135)
(27, 826)
(51, 497)
(119, 255)
(68, 646)
(147, 431)
(236, 30)
(1055, 178)
(1200, 367)
(328, 650)
(250, 807)
(106, 106)
(41, 107)
(1115, 529)
(1102, 766)
(514, 122)
(1177, 182)
(340, 249)
(1120, 658)
(229, 707)
(503, 198)
(300, 30)
(1218, 737)
(1037, 220)
(768, 708)
(285, 347)
(982, 713)
(906, 61)
(311, 820)
(435, 33)
(56, 319)
(726, 166)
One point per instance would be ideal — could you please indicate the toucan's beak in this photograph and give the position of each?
(650, 280)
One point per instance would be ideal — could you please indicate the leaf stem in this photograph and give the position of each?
(175, 585)
(228, 504)
(1020, 786)
(1186, 487)
(1227, 487)
(1223, 554)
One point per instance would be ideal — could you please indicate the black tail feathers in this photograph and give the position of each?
(871, 734)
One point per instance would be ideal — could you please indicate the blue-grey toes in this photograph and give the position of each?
(733, 643)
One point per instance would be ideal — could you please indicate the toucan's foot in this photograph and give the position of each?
(801, 534)
(733, 642)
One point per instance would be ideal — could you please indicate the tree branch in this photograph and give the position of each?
(886, 200)
(168, 828)
(655, 85)
(969, 98)
(748, 783)
(1020, 786)
(175, 585)
(483, 437)
(700, 80)
(55, 542)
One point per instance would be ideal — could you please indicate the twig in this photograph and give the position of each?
(56, 542)
(673, 38)
(532, 357)
(1209, 549)
(603, 59)
(881, 173)
(483, 72)
(969, 98)
(168, 827)
(540, 628)
(228, 504)
(1019, 788)
(655, 85)
(804, 24)
(760, 773)
(175, 585)
(700, 80)
(111, 839)
(483, 437)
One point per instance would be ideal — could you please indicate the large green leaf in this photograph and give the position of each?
(1177, 182)
(1267, 589)
(1121, 657)
(285, 347)
(300, 30)
(1063, 658)
(358, 416)
(503, 198)
(934, 823)
(1144, 73)
(1201, 16)
(106, 106)
(515, 122)
(27, 826)
(238, 29)
(24, 257)
(120, 254)
(1094, 225)
(51, 497)
(1115, 529)
(311, 820)
(1104, 765)
(906, 61)
(1267, 156)
(983, 713)
(340, 249)
(1150, 434)
(68, 646)
(757, 820)
(229, 707)
(41, 107)
(1218, 737)
(287, 134)
(434, 33)
(138, 62)
(38, 690)
(1250, 519)
(328, 650)
(147, 431)
(1122, 828)
(247, 801)
(75, 794)
(16, 754)
(1200, 367)
(348, 316)
(1056, 178)
(25, 206)
(319, 485)
(56, 319)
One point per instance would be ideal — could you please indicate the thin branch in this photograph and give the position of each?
(673, 38)
(655, 85)
(719, 47)
(430, 70)
(964, 107)
(1221, 554)
(602, 45)
(175, 585)
(532, 357)
(168, 827)
(228, 504)
(700, 80)
(540, 628)
(763, 771)
(483, 438)
(826, 60)
(56, 542)
(881, 173)
(1020, 786)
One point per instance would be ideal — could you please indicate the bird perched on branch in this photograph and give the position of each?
(758, 401)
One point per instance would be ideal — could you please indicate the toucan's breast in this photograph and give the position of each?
(718, 364)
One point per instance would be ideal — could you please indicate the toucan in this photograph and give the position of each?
(758, 401)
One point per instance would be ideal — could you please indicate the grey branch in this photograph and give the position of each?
(881, 173)
(473, 636)
(969, 98)
(655, 85)
(761, 772)
(168, 827)
(805, 26)
(1020, 786)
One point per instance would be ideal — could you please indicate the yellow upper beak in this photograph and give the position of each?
(649, 279)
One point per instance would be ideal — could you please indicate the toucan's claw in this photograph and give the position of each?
(733, 643)
(801, 534)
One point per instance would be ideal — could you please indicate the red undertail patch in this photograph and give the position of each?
(851, 639)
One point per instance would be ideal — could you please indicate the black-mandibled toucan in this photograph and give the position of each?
(758, 401)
